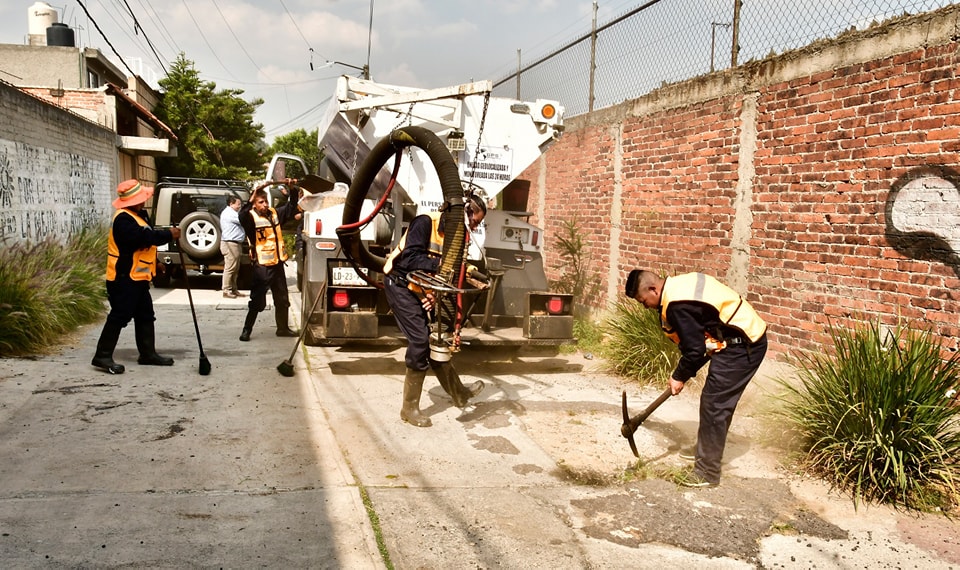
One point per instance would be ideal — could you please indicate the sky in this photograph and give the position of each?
(266, 47)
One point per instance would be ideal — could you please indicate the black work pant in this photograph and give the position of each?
(730, 371)
(270, 277)
(412, 320)
(129, 299)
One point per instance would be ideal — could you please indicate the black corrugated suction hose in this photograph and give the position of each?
(454, 229)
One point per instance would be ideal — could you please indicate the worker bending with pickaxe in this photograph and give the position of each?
(709, 321)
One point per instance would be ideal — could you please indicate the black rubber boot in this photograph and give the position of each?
(103, 358)
(248, 325)
(146, 344)
(451, 383)
(412, 386)
(283, 326)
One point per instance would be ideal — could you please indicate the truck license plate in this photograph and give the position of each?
(346, 276)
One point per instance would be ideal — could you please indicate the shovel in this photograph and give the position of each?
(630, 425)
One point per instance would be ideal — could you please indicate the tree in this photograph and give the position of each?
(299, 143)
(217, 137)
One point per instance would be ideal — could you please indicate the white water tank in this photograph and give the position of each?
(40, 16)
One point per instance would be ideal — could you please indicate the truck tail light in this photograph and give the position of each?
(318, 227)
(341, 300)
(555, 305)
(535, 240)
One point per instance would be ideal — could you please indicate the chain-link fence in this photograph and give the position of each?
(665, 41)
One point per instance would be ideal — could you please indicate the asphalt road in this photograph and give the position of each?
(164, 468)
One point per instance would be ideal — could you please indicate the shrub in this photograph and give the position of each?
(636, 347)
(575, 279)
(873, 418)
(49, 288)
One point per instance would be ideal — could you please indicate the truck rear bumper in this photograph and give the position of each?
(391, 337)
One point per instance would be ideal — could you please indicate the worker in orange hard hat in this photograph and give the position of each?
(131, 264)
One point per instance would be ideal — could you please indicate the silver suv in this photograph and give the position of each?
(194, 205)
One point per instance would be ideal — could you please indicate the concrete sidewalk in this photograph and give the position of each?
(164, 468)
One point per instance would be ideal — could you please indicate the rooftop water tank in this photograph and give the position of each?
(40, 16)
(60, 35)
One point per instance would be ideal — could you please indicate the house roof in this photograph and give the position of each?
(141, 110)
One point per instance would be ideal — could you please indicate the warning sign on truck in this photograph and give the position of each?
(490, 163)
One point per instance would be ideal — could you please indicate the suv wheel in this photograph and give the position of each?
(200, 237)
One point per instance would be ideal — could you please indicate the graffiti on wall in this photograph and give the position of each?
(47, 193)
(923, 215)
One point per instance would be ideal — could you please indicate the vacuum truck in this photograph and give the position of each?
(491, 141)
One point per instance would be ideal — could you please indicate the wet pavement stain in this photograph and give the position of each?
(728, 520)
(494, 444)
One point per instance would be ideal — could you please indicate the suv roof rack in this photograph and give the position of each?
(204, 181)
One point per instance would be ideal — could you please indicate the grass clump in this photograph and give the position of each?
(873, 418)
(636, 347)
(49, 288)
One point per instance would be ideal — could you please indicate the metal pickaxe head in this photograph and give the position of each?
(630, 425)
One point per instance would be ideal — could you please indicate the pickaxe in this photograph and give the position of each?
(630, 425)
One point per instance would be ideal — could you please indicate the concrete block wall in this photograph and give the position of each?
(58, 171)
(822, 184)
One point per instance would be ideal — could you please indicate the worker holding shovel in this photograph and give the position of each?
(709, 322)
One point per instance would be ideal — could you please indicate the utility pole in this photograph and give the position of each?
(593, 56)
(366, 68)
(735, 48)
(518, 75)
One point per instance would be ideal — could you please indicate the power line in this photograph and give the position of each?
(243, 49)
(294, 21)
(158, 21)
(97, 26)
(136, 26)
(204, 36)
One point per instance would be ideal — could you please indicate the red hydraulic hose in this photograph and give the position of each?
(383, 199)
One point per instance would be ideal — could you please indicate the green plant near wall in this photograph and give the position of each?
(875, 417)
(575, 279)
(636, 347)
(49, 288)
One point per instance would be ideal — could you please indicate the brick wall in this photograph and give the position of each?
(57, 170)
(822, 183)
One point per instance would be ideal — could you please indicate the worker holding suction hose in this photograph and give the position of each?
(419, 250)
(709, 321)
(131, 264)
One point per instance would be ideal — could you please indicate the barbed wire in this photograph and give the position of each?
(667, 41)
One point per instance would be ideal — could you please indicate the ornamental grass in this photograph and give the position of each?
(877, 417)
(636, 347)
(49, 288)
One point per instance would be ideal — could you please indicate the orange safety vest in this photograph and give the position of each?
(144, 260)
(435, 246)
(734, 310)
(269, 242)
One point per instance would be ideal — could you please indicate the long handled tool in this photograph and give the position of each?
(204, 363)
(630, 425)
(286, 367)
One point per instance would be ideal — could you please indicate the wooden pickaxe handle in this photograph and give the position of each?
(630, 425)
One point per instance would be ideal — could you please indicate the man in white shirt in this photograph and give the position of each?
(231, 238)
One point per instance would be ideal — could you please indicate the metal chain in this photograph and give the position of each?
(476, 153)
(356, 147)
